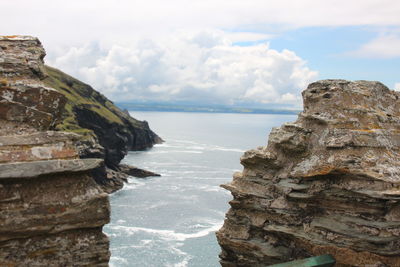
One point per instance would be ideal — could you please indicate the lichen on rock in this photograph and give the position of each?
(329, 183)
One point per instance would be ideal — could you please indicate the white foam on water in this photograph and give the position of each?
(150, 205)
(208, 188)
(198, 225)
(183, 263)
(219, 148)
(146, 241)
(168, 145)
(191, 198)
(198, 171)
(200, 146)
(197, 147)
(182, 172)
(184, 141)
(111, 234)
(226, 179)
(131, 186)
(154, 163)
(178, 151)
(117, 261)
(168, 235)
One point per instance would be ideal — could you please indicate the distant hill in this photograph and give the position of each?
(166, 107)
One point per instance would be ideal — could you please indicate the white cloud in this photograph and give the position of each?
(384, 46)
(397, 87)
(237, 37)
(109, 47)
(75, 21)
(204, 67)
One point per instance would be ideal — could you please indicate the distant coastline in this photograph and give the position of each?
(202, 109)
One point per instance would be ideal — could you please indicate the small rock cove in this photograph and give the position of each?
(171, 220)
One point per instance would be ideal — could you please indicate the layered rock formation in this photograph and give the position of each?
(329, 183)
(51, 209)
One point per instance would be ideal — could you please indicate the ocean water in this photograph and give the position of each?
(171, 220)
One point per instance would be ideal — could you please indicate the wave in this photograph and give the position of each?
(148, 205)
(184, 141)
(207, 188)
(177, 151)
(132, 183)
(183, 263)
(197, 146)
(168, 235)
(228, 149)
(167, 145)
(117, 261)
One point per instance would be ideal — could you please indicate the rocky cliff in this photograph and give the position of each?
(106, 131)
(51, 209)
(328, 183)
(89, 113)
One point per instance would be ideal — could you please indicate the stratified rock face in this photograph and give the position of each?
(328, 183)
(51, 209)
(23, 97)
(21, 57)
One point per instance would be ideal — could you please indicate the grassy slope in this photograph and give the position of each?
(79, 93)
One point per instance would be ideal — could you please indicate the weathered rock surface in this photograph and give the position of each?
(21, 68)
(329, 183)
(21, 57)
(51, 209)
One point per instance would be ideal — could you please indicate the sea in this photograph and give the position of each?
(171, 220)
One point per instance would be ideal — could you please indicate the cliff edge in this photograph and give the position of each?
(51, 210)
(327, 183)
(106, 132)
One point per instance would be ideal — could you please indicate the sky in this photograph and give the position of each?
(249, 53)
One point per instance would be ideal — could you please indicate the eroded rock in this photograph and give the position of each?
(51, 209)
(328, 183)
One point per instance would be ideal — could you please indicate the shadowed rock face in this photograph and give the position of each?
(327, 183)
(108, 133)
(117, 139)
(51, 209)
(89, 112)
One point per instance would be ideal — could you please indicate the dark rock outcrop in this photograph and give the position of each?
(51, 209)
(93, 115)
(107, 132)
(136, 172)
(326, 184)
(117, 139)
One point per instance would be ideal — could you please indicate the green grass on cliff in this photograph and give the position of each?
(81, 94)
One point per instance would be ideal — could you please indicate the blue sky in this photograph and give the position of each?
(328, 50)
(255, 52)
